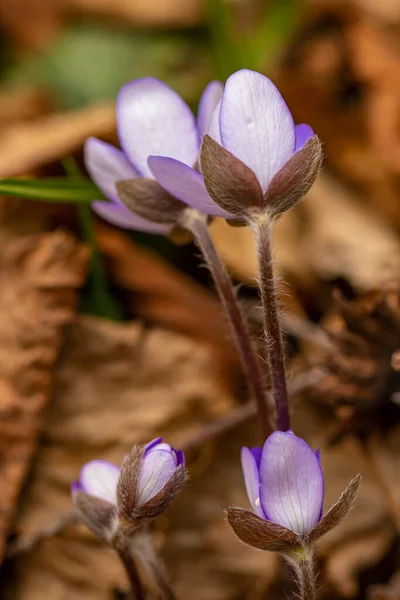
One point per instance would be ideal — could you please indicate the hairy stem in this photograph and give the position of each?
(144, 549)
(197, 224)
(272, 330)
(137, 591)
(303, 566)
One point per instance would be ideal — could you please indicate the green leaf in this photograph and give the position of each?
(89, 62)
(52, 189)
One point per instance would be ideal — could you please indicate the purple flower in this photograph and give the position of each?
(284, 482)
(158, 463)
(249, 162)
(256, 126)
(161, 140)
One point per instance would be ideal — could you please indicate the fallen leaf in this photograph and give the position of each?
(158, 293)
(40, 279)
(27, 146)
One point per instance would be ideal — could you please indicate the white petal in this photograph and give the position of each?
(209, 101)
(106, 165)
(256, 124)
(100, 478)
(153, 119)
(157, 468)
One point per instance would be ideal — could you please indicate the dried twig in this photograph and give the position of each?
(27, 542)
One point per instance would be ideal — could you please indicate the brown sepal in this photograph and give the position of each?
(338, 511)
(230, 183)
(98, 515)
(156, 505)
(128, 479)
(148, 199)
(262, 534)
(295, 178)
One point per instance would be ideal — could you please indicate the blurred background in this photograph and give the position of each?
(111, 337)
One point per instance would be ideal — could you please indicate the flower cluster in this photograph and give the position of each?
(108, 497)
(243, 159)
(244, 155)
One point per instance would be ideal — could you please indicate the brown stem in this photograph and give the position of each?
(197, 224)
(144, 549)
(272, 330)
(137, 591)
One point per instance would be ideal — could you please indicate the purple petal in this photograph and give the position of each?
(153, 119)
(256, 125)
(303, 134)
(180, 458)
(209, 101)
(186, 184)
(257, 453)
(157, 468)
(119, 215)
(251, 480)
(153, 443)
(214, 129)
(106, 165)
(100, 478)
(75, 487)
(292, 484)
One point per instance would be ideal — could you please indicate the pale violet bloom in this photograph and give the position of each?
(284, 482)
(99, 478)
(254, 123)
(160, 139)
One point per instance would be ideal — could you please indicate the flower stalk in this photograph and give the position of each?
(303, 566)
(137, 591)
(144, 549)
(272, 331)
(197, 224)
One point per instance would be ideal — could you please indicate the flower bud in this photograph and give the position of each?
(107, 497)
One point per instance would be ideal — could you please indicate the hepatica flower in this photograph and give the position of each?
(160, 140)
(142, 488)
(285, 486)
(256, 160)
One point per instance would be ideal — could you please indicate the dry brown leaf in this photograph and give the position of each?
(115, 384)
(343, 79)
(21, 104)
(40, 280)
(27, 146)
